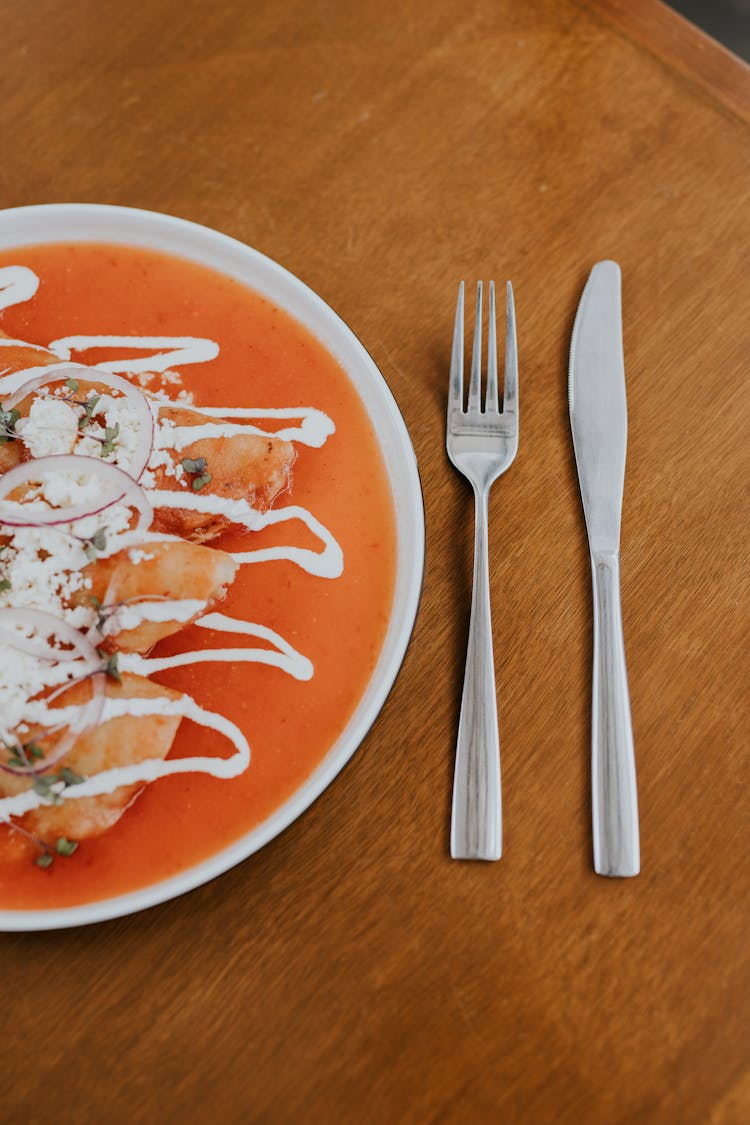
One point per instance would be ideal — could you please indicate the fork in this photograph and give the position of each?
(481, 443)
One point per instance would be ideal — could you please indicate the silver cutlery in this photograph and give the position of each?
(598, 419)
(482, 442)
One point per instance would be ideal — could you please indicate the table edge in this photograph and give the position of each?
(682, 47)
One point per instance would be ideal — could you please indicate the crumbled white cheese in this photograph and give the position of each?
(113, 521)
(119, 413)
(168, 378)
(51, 427)
(136, 556)
(67, 490)
(162, 454)
(90, 446)
(43, 566)
(22, 679)
(162, 438)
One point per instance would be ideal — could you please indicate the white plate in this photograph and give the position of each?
(74, 222)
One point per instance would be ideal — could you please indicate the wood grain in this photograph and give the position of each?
(683, 47)
(350, 971)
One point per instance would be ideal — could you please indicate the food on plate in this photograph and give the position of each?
(142, 595)
(162, 546)
(73, 409)
(121, 741)
(219, 461)
(106, 495)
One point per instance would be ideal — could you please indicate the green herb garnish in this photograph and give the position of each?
(101, 614)
(63, 846)
(194, 466)
(88, 409)
(111, 668)
(20, 754)
(110, 433)
(198, 467)
(70, 777)
(4, 585)
(16, 756)
(43, 785)
(8, 419)
(72, 385)
(97, 542)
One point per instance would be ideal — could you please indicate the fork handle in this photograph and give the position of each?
(613, 784)
(476, 823)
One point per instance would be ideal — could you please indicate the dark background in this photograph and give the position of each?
(727, 20)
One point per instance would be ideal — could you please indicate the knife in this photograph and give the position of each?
(599, 423)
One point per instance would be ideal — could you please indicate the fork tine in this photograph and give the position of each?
(510, 396)
(476, 357)
(456, 397)
(491, 399)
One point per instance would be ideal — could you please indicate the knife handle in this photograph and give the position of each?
(613, 784)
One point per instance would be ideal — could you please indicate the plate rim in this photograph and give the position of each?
(381, 680)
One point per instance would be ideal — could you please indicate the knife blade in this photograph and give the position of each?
(598, 420)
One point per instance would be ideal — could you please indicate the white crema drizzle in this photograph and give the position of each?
(17, 284)
(314, 429)
(165, 351)
(151, 768)
(130, 616)
(282, 656)
(328, 563)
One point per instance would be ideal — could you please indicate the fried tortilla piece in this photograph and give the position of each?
(10, 455)
(121, 741)
(19, 357)
(140, 577)
(22, 356)
(252, 467)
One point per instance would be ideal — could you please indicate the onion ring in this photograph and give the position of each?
(119, 485)
(89, 718)
(135, 397)
(28, 647)
(49, 625)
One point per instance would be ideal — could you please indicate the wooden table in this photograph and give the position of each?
(351, 971)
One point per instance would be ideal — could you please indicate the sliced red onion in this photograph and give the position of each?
(30, 647)
(95, 629)
(87, 719)
(119, 485)
(48, 625)
(135, 397)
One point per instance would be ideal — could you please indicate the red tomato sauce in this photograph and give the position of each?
(267, 359)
